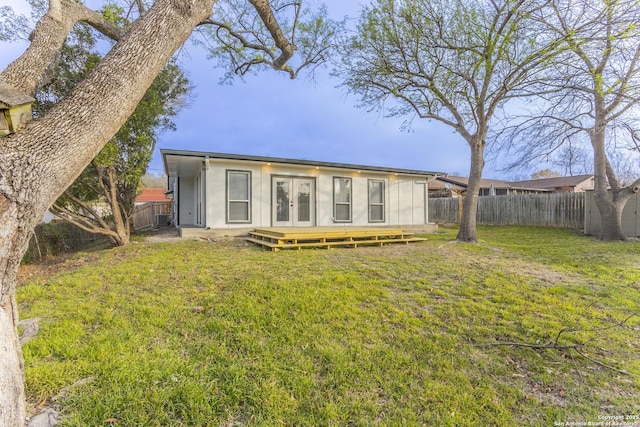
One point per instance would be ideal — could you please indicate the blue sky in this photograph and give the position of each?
(270, 115)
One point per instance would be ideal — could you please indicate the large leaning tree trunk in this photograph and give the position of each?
(40, 161)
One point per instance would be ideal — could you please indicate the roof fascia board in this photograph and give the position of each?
(280, 160)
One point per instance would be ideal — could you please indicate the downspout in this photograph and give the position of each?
(398, 206)
(177, 184)
(204, 192)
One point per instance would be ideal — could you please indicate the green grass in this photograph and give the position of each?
(222, 334)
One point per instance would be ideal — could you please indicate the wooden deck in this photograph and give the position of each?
(328, 237)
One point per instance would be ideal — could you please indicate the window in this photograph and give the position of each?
(238, 196)
(342, 199)
(376, 201)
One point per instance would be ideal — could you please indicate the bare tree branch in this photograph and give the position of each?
(83, 206)
(287, 49)
(604, 365)
(29, 70)
(553, 344)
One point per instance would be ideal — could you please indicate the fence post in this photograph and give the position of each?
(35, 237)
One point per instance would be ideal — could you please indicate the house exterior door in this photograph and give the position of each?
(293, 202)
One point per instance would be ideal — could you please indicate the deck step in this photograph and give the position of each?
(293, 240)
(328, 245)
(315, 238)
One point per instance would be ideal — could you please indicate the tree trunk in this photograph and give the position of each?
(120, 225)
(612, 224)
(610, 201)
(611, 214)
(45, 157)
(12, 403)
(123, 237)
(13, 245)
(467, 232)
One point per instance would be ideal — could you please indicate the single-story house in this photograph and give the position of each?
(453, 186)
(572, 184)
(232, 193)
(440, 188)
(488, 187)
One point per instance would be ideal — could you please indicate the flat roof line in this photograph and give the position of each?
(226, 156)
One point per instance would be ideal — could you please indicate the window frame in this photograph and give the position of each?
(228, 200)
(349, 203)
(381, 203)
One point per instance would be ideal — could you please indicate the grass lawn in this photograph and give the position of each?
(197, 333)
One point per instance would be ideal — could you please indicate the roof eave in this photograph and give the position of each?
(280, 160)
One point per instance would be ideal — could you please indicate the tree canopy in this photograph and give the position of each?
(457, 62)
(589, 97)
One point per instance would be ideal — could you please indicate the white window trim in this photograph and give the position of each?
(336, 203)
(229, 201)
(382, 203)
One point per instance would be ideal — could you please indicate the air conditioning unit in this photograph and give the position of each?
(163, 219)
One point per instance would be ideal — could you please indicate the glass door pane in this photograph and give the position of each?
(304, 201)
(283, 200)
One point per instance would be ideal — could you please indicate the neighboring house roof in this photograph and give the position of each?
(441, 184)
(152, 195)
(11, 97)
(463, 181)
(539, 185)
(553, 183)
(171, 165)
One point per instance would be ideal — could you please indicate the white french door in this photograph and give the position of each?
(293, 202)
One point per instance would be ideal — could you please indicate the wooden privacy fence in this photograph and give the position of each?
(58, 237)
(151, 215)
(564, 210)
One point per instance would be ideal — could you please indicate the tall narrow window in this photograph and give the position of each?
(238, 196)
(376, 201)
(342, 199)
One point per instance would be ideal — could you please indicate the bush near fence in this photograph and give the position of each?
(58, 237)
(563, 210)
